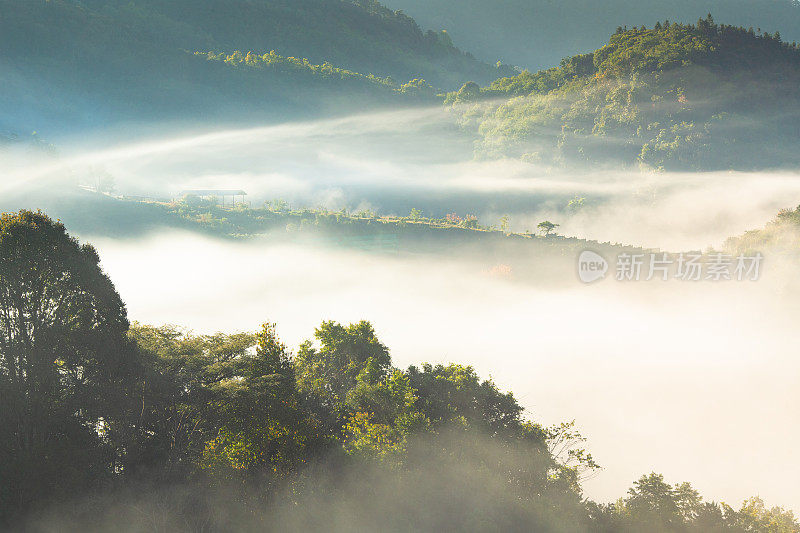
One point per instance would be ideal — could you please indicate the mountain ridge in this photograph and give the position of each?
(535, 34)
(674, 97)
(118, 60)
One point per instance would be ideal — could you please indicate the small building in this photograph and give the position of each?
(207, 194)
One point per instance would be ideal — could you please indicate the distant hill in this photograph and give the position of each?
(676, 96)
(534, 34)
(94, 61)
(780, 236)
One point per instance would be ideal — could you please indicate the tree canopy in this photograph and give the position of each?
(199, 432)
(701, 96)
(65, 361)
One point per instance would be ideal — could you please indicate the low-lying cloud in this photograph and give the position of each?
(682, 378)
(392, 162)
(697, 381)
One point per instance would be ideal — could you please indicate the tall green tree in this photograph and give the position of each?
(264, 431)
(658, 504)
(449, 394)
(180, 396)
(65, 361)
(344, 357)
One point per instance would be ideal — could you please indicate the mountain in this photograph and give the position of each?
(676, 96)
(95, 61)
(534, 34)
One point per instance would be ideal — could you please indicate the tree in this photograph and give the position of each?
(504, 224)
(465, 411)
(576, 203)
(575, 464)
(654, 502)
(756, 516)
(347, 355)
(688, 501)
(469, 92)
(418, 88)
(65, 362)
(383, 415)
(279, 205)
(261, 427)
(546, 227)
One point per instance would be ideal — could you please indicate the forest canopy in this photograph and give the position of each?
(211, 430)
(701, 96)
(536, 34)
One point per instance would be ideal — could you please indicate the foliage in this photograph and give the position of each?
(349, 358)
(537, 34)
(92, 403)
(677, 96)
(781, 236)
(546, 227)
(368, 440)
(244, 220)
(303, 71)
(654, 505)
(117, 59)
(454, 394)
(65, 364)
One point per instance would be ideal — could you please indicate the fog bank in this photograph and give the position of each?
(393, 162)
(697, 381)
(681, 378)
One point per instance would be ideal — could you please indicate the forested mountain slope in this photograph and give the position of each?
(91, 61)
(680, 97)
(534, 34)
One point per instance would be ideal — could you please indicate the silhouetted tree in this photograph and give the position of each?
(64, 360)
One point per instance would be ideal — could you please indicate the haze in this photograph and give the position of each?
(662, 377)
(395, 161)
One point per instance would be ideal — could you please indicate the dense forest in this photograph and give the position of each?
(536, 34)
(118, 59)
(430, 195)
(702, 96)
(109, 423)
(675, 96)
